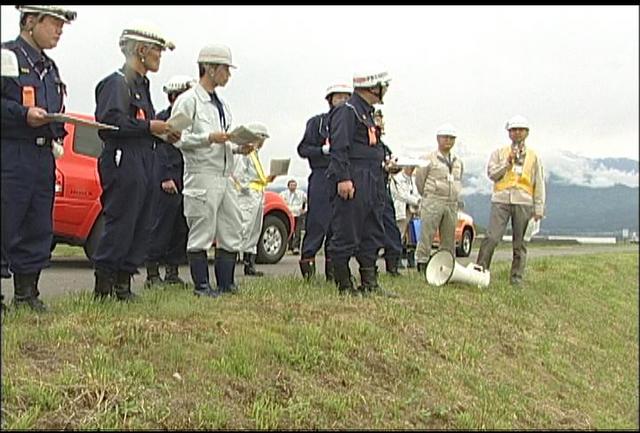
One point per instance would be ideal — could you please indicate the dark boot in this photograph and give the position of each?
(307, 268)
(369, 283)
(225, 264)
(411, 259)
(171, 275)
(250, 265)
(422, 269)
(391, 264)
(153, 275)
(26, 291)
(122, 287)
(199, 268)
(328, 270)
(104, 284)
(343, 279)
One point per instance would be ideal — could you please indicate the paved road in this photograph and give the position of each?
(73, 274)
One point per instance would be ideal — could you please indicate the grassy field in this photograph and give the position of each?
(559, 353)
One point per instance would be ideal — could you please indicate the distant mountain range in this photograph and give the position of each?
(585, 196)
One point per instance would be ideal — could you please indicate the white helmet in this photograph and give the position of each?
(9, 63)
(447, 129)
(178, 83)
(371, 79)
(144, 32)
(216, 53)
(517, 122)
(338, 88)
(258, 129)
(55, 11)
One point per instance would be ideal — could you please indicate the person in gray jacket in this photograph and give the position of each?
(210, 205)
(439, 184)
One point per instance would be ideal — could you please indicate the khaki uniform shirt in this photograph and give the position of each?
(441, 179)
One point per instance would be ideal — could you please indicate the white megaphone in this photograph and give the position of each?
(443, 268)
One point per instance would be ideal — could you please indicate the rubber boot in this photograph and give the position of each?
(153, 275)
(328, 270)
(171, 275)
(421, 267)
(411, 259)
(104, 284)
(343, 279)
(26, 291)
(369, 283)
(122, 287)
(307, 268)
(391, 263)
(250, 265)
(225, 264)
(199, 268)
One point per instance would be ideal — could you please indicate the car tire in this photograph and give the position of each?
(273, 241)
(91, 243)
(464, 249)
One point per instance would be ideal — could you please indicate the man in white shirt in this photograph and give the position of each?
(406, 201)
(297, 202)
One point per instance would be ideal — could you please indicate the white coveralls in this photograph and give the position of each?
(210, 205)
(250, 184)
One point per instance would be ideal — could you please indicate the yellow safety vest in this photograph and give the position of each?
(511, 179)
(261, 183)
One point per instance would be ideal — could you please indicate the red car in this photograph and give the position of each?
(77, 216)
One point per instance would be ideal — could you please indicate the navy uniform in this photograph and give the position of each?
(28, 165)
(315, 147)
(357, 156)
(126, 168)
(169, 231)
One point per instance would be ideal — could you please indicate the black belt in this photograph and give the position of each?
(43, 141)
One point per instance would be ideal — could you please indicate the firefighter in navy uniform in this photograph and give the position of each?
(27, 138)
(126, 164)
(315, 147)
(169, 232)
(392, 236)
(357, 190)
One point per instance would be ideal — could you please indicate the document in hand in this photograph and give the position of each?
(177, 122)
(67, 118)
(532, 229)
(279, 167)
(242, 135)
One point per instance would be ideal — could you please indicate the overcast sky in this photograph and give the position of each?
(572, 70)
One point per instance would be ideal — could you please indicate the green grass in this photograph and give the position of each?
(559, 353)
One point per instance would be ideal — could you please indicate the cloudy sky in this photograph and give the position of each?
(571, 70)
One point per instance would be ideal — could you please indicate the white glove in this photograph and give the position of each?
(325, 149)
(57, 149)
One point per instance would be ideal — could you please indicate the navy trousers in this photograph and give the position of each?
(127, 198)
(28, 179)
(357, 224)
(169, 231)
(318, 224)
(392, 236)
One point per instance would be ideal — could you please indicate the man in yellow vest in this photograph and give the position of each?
(518, 194)
(250, 183)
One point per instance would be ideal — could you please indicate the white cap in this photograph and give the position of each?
(178, 83)
(9, 63)
(517, 122)
(371, 79)
(338, 88)
(145, 32)
(447, 129)
(259, 129)
(216, 53)
(65, 15)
